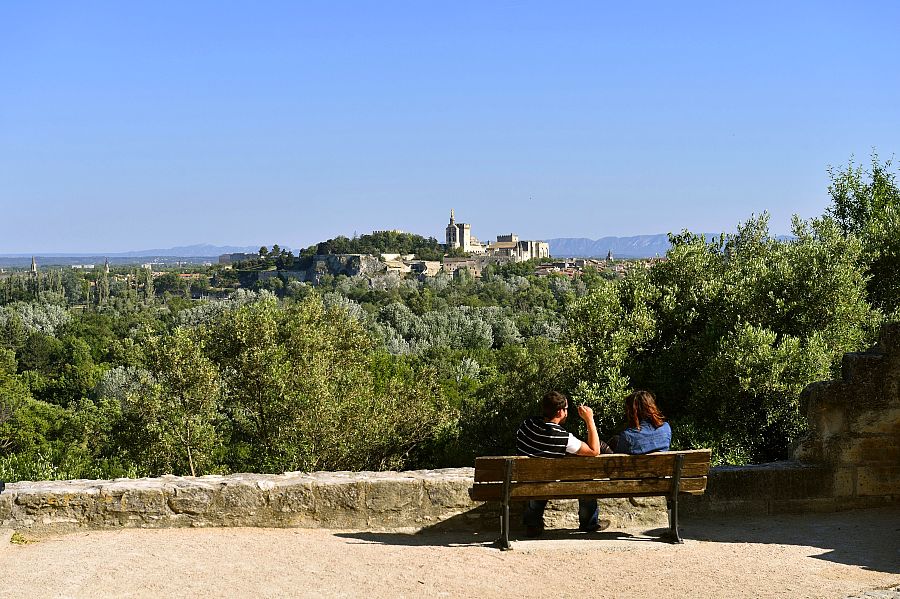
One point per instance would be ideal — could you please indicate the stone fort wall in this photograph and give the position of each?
(850, 459)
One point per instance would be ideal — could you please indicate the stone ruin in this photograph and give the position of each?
(855, 422)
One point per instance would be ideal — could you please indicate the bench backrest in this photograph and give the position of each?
(615, 475)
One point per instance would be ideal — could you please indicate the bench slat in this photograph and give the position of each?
(597, 488)
(493, 468)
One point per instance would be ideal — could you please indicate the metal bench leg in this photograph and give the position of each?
(503, 541)
(672, 502)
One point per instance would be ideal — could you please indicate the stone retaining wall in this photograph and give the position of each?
(424, 499)
(343, 500)
(776, 488)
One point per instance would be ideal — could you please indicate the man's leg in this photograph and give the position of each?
(534, 517)
(588, 513)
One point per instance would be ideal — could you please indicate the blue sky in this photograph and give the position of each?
(136, 125)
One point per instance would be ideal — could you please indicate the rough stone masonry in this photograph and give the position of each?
(343, 500)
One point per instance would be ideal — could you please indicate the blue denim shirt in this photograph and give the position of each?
(646, 440)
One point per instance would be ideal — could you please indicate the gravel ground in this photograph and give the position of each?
(814, 555)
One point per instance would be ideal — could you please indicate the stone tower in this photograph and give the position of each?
(459, 235)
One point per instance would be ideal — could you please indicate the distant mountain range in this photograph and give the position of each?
(637, 246)
(198, 250)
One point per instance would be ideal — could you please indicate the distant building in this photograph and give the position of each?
(398, 266)
(473, 265)
(510, 246)
(459, 235)
(425, 268)
(398, 256)
(381, 231)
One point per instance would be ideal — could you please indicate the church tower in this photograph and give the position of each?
(452, 233)
(34, 270)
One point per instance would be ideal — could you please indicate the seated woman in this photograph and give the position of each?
(647, 429)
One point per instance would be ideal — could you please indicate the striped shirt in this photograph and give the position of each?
(539, 439)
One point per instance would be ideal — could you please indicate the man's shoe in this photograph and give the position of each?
(532, 532)
(600, 525)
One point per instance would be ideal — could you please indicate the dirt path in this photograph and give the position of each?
(824, 555)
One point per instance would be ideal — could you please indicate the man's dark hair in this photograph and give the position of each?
(554, 401)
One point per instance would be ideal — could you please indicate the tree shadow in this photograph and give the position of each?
(868, 538)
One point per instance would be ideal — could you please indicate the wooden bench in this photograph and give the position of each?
(518, 478)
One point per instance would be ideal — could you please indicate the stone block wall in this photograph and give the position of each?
(322, 499)
(855, 422)
(423, 499)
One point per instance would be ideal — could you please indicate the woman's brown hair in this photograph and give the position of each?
(641, 405)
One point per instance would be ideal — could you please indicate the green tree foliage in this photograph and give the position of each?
(305, 391)
(177, 413)
(13, 394)
(171, 284)
(385, 242)
(510, 389)
(727, 333)
(41, 318)
(866, 204)
(256, 368)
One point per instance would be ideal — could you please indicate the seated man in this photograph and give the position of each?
(544, 437)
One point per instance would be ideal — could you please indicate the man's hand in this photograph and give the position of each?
(592, 447)
(586, 413)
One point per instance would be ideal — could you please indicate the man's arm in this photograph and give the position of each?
(594, 445)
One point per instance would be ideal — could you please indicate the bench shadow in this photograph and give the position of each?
(869, 538)
(427, 538)
(463, 530)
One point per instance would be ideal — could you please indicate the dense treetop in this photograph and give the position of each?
(383, 242)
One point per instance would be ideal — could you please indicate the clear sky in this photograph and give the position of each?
(127, 125)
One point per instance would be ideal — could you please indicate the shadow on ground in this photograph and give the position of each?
(869, 539)
(476, 539)
(481, 527)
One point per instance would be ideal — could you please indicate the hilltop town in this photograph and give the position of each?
(463, 254)
(389, 252)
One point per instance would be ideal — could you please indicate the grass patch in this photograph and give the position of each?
(18, 538)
